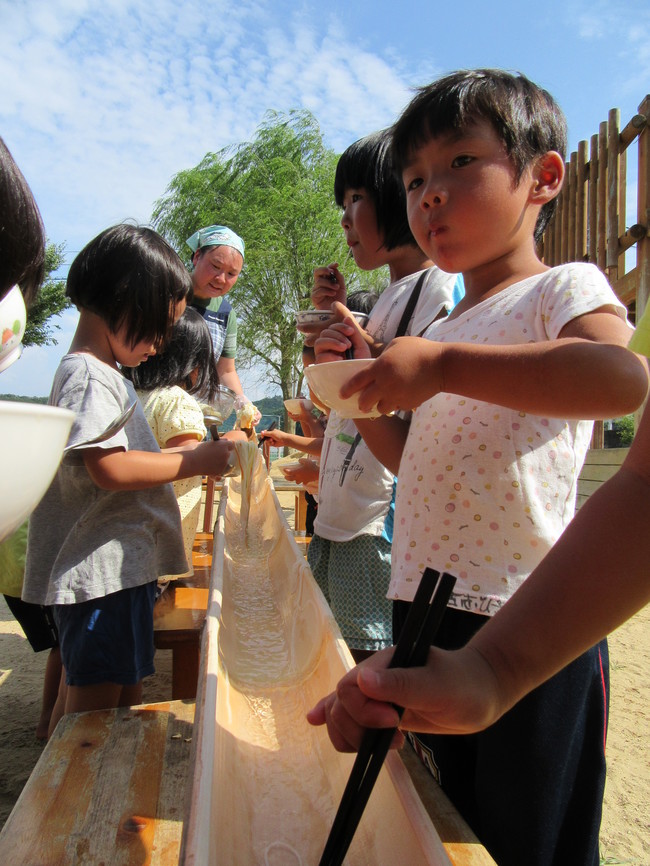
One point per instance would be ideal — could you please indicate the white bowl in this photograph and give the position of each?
(13, 316)
(33, 437)
(326, 381)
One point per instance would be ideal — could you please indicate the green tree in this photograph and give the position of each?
(51, 302)
(277, 192)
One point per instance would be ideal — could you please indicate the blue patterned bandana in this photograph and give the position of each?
(216, 236)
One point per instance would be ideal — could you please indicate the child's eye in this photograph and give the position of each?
(414, 183)
(462, 160)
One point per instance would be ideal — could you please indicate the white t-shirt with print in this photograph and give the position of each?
(485, 491)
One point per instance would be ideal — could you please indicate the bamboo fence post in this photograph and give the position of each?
(613, 163)
(581, 203)
(601, 259)
(592, 228)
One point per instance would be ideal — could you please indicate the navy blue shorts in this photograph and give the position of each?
(530, 786)
(109, 639)
(36, 621)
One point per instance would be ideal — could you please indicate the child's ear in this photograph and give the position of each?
(548, 177)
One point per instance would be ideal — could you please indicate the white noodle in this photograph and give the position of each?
(284, 847)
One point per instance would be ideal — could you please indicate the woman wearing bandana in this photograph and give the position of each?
(217, 260)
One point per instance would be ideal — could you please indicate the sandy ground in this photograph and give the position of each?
(625, 834)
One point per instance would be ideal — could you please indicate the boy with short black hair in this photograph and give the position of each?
(488, 465)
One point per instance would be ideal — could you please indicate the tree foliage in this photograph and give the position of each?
(51, 302)
(277, 192)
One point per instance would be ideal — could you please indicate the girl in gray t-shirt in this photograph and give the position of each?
(109, 524)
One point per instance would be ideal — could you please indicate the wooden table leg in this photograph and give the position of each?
(209, 504)
(185, 670)
(300, 512)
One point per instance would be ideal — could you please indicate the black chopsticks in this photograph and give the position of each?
(411, 650)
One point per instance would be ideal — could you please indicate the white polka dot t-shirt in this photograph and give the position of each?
(484, 491)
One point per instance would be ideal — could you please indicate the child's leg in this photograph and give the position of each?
(51, 684)
(102, 696)
(99, 696)
(58, 710)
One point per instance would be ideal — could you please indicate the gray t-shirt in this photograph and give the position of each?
(85, 542)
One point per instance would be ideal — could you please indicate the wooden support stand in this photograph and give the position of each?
(178, 618)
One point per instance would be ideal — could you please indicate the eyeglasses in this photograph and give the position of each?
(13, 317)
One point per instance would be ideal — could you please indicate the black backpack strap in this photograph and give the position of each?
(407, 315)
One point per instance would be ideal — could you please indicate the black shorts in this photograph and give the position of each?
(36, 621)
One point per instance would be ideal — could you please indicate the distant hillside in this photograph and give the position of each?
(14, 398)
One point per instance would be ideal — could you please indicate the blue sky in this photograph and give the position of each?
(102, 103)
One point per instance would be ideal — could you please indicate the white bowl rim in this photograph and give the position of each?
(25, 408)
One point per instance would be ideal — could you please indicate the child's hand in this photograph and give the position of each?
(329, 286)
(407, 373)
(454, 693)
(306, 473)
(341, 338)
(217, 456)
(276, 438)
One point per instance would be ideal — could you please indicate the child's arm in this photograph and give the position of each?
(586, 373)
(116, 469)
(593, 579)
(282, 439)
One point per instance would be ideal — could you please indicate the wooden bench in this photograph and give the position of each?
(109, 788)
(178, 618)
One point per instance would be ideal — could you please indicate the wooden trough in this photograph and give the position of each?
(266, 785)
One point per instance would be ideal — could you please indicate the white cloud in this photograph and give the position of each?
(109, 100)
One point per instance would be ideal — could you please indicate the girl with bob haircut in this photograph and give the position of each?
(368, 164)
(350, 550)
(108, 527)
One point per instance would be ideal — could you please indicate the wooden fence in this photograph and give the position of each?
(590, 222)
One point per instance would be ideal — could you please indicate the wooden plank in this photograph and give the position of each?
(600, 464)
(109, 787)
(608, 456)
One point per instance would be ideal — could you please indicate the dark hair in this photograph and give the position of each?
(130, 276)
(189, 348)
(361, 301)
(368, 164)
(525, 117)
(22, 236)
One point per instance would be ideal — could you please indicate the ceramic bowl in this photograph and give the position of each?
(313, 321)
(33, 437)
(326, 381)
(13, 316)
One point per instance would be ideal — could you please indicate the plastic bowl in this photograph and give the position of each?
(222, 405)
(33, 437)
(326, 380)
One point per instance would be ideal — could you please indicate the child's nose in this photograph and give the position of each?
(345, 220)
(434, 194)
